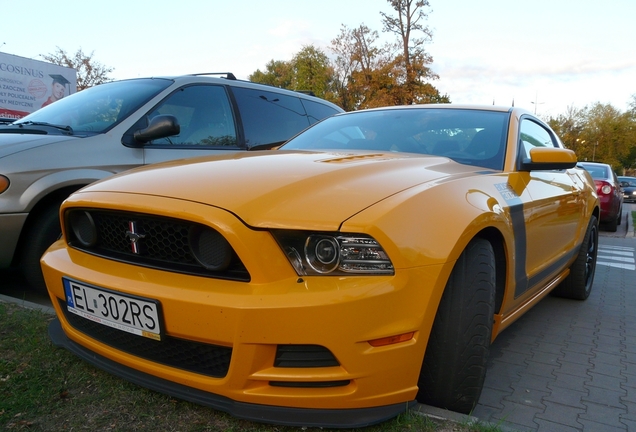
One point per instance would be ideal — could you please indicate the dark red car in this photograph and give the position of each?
(609, 193)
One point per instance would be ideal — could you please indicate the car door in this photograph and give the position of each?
(553, 213)
(206, 119)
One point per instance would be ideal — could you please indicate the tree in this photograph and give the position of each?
(277, 73)
(569, 127)
(89, 72)
(363, 76)
(312, 71)
(600, 133)
(413, 62)
(367, 75)
(309, 70)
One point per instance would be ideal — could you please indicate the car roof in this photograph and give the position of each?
(228, 78)
(443, 106)
(593, 164)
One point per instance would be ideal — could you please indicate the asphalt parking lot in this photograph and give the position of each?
(570, 365)
(564, 366)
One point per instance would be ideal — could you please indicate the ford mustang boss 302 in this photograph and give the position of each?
(363, 266)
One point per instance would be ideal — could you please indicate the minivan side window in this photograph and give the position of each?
(204, 114)
(269, 117)
(317, 111)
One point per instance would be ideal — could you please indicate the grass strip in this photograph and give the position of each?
(45, 388)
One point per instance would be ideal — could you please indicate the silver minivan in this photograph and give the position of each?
(116, 126)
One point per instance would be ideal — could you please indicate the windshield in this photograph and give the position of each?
(468, 136)
(97, 109)
(598, 172)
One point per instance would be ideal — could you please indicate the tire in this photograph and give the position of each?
(41, 233)
(578, 284)
(612, 225)
(454, 366)
(620, 215)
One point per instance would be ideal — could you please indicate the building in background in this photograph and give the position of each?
(26, 85)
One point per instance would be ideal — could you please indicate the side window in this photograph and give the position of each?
(317, 111)
(269, 117)
(533, 135)
(204, 114)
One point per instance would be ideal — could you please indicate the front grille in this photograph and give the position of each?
(205, 359)
(306, 356)
(150, 241)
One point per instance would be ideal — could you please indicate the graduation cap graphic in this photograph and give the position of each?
(59, 79)
(65, 83)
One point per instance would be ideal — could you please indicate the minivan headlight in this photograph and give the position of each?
(4, 183)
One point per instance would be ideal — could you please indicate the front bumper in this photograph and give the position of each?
(329, 418)
(253, 319)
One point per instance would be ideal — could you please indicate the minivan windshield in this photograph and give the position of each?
(97, 109)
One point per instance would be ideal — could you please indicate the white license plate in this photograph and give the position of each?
(130, 314)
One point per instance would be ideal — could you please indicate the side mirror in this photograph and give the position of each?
(549, 158)
(160, 126)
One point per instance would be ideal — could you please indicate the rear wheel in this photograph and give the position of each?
(41, 233)
(578, 284)
(454, 367)
(612, 225)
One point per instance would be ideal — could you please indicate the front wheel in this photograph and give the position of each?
(578, 284)
(454, 367)
(41, 233)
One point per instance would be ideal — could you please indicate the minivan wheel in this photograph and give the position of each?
(41, 233)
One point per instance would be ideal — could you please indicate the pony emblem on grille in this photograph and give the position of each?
(134, 236)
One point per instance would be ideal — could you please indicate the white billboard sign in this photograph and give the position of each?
(27, 85)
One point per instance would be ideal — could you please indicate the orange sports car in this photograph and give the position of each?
(365, 265)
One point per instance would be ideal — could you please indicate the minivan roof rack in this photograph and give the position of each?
(228, 75)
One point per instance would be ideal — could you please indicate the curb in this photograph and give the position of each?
(630, 223)
(442, 415)
(27, 304)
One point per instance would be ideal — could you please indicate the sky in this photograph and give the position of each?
(543, 55)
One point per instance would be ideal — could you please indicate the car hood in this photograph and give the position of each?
(13, 142)
(290, 189)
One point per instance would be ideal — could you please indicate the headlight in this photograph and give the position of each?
(312, 253)
(4, 183)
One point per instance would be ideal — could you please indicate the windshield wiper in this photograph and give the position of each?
(64, 128)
